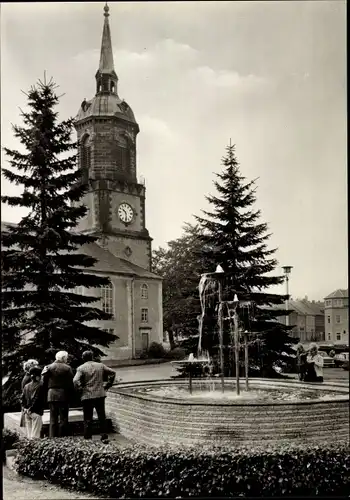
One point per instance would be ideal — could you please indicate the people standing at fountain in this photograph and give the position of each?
(58, 381)
(33, 402)
(93, 379)
(301, 362)
(27, 365)
(314, 365)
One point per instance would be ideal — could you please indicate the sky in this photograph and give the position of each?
(270, 76)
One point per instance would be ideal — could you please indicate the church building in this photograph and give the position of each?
(107, 130)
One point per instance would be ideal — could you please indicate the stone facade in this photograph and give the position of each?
(158, 420)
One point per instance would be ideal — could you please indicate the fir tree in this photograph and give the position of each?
(234, 237)
(42, 259)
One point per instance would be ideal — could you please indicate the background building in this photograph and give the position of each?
(336, 306)
(307, 320)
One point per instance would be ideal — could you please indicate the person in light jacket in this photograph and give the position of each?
(92, 380)
(315, 365)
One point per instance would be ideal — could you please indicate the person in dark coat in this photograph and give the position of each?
(27, 365)
(93, 379)
(33, 402)
(301, 362)
(58, 381)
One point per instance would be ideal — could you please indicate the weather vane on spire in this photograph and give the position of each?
(106, 9)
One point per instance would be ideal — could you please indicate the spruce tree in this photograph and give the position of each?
(234, 237)
(42, 259)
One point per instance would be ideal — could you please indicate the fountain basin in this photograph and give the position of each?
(146, 413)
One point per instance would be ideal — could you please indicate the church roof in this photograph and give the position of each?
(106, 101)
(109, 263)
(106, 105)
(106, 261)
(338, 294)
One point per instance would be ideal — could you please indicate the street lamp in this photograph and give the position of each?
(287, 270)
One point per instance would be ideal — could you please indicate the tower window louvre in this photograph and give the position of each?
(122, 158)
(85, 159)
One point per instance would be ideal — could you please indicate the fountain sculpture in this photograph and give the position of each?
(165, 412)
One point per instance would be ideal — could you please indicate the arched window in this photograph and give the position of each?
(122, 158)
(144, 291)
(107, 298)
(85, 163)
(112, 86)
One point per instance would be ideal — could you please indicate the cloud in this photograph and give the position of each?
(168, 45)
(156, 128)
(166, 51)
(228, 79)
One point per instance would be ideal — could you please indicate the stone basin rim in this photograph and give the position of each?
(122, 389)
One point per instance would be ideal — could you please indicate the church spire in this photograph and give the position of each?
(106, 77)
(106, 58)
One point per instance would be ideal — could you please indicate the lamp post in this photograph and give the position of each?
(236, 340)
(287, 270)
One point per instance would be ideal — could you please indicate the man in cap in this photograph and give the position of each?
(93, 379)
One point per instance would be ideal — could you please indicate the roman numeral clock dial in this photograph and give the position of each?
(125, 213)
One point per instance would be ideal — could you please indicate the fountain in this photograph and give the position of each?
(181, 413)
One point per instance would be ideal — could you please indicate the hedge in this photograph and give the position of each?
(139, 471)
(10, 439)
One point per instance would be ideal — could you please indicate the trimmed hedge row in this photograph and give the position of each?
(139, 471)
(10, 439)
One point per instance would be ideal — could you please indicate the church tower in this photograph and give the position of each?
(107, 130)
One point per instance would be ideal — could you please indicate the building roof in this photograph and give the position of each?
(110, 264)
(106, 105)
(306, 308)
(106, 261)
(4, 225)
(338, 294)
(303, 307)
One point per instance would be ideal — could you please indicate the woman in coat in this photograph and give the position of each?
(27, 365)
(314, 365)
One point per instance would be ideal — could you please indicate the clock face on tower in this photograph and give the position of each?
(125, 213)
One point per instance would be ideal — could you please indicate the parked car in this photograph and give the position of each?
(340, 358)
(327, 360)
(345, 365)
